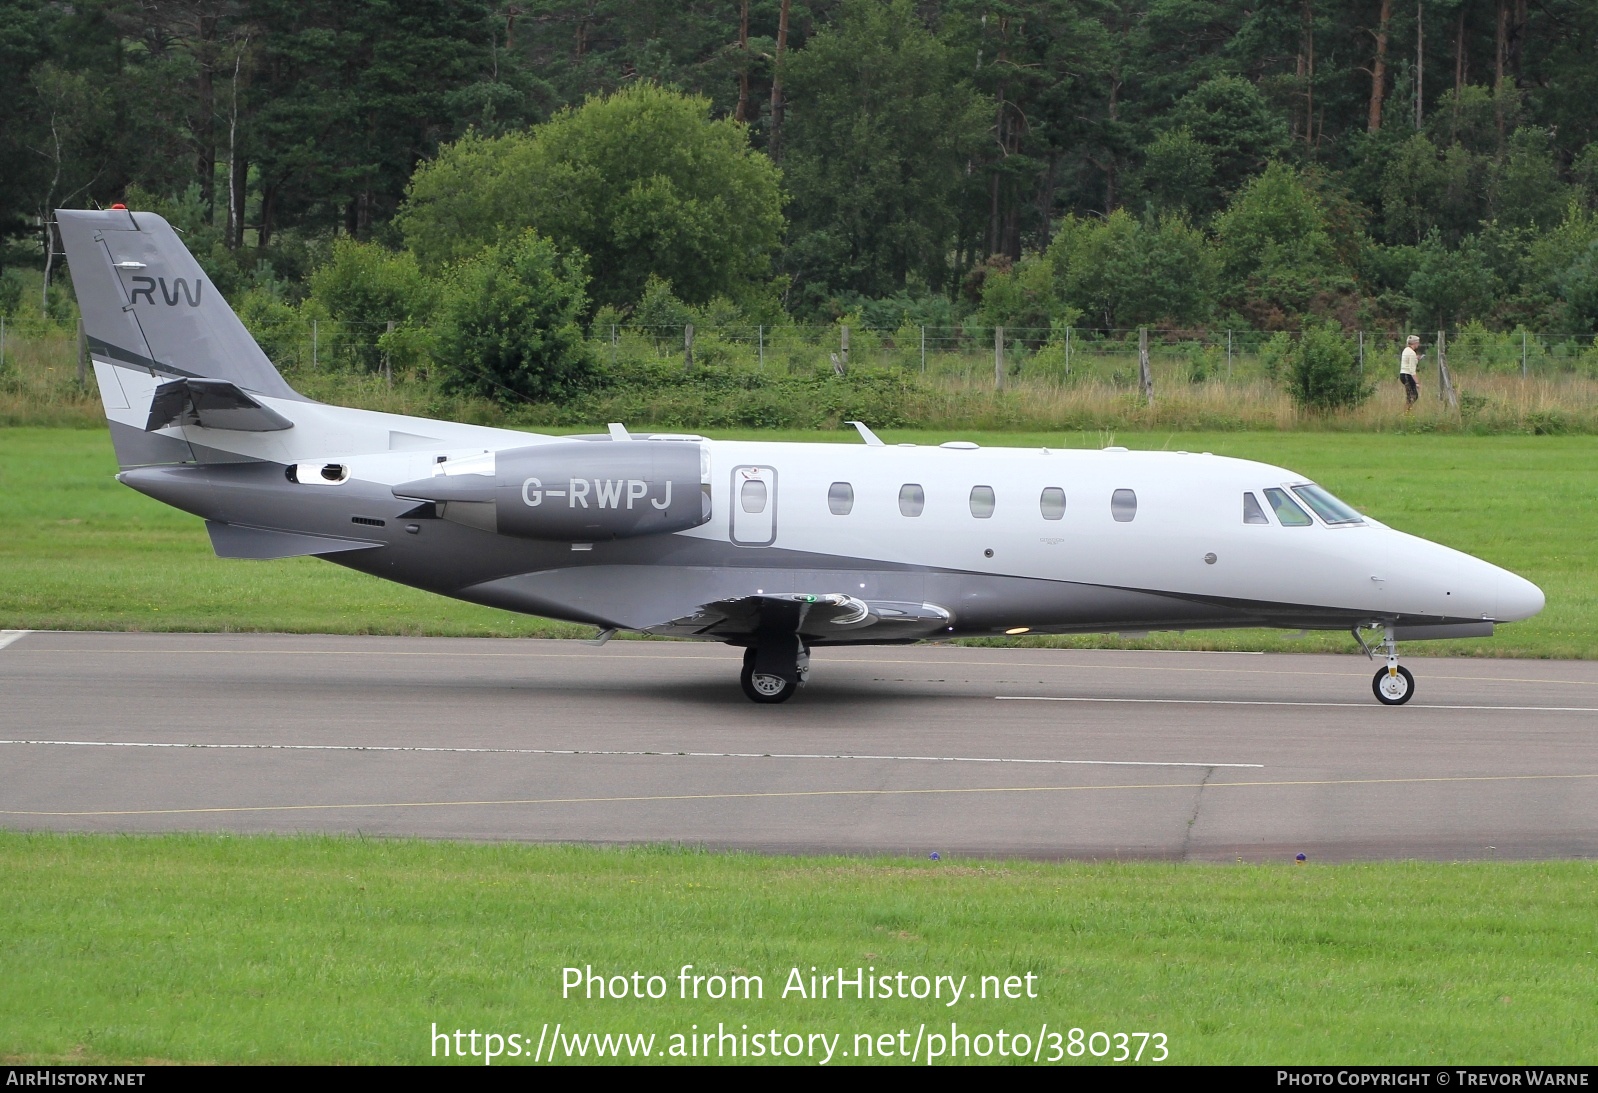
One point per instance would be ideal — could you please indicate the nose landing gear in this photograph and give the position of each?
(1393, 685)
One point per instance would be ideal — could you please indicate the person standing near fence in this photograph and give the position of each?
(1408, 362)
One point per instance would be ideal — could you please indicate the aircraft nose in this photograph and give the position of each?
(1518, 598)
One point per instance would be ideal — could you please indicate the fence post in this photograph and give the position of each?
(613, 345)
(1522, 354)
(843, 349)
(923, 350)
(1228, 356)
(313, 345)
(1068, 351)
(83, 355)
(1362, 352)
(688, 347)
(2, 341)
(1445, 383)
(760, 334)
(1145, 378)
(998, 358)
(388, 370)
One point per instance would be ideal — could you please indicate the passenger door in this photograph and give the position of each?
(754, 505)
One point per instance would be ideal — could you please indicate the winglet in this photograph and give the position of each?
(872, 439)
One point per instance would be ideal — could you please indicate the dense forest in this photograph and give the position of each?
(1101, 164)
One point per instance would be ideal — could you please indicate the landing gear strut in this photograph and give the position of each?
(774, 668)
(1393, 685)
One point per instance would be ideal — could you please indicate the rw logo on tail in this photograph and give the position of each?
(180, 290)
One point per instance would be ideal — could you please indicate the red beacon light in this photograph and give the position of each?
(121, 206)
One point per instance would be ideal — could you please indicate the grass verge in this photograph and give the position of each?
(334, 950)
(83, 552)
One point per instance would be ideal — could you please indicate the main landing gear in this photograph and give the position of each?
(774, 668)
(1392, 685)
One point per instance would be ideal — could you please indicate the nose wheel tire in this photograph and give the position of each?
(1393, 689)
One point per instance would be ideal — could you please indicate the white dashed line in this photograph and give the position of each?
(663, 754)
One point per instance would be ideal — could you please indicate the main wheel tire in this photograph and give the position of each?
(765, 688)
(1393, 690)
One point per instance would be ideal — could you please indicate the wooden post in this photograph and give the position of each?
(83, 355)
(388, 369)
(613, 345)
(1068, 351)
(923, 350)
(3, 341)
(760, 334)
(843, 349)
(1228, 356)
(998, 358)
(1145, 377)
(1445, 383)
(1522, 354)
(688, 347)
(313, 345)
(1362, 352)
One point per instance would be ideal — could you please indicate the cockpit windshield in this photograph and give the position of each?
(1327, 507)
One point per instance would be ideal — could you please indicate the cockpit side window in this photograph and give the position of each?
(1287, 510)
(1326, 506)
(1252, 513)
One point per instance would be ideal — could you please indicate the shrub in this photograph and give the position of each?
(510, 324)
(1321, 372)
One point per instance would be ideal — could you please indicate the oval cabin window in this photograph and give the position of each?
(912, 499)
(1052, 503)
(982, 502)
(840, 498)
(1123, 506)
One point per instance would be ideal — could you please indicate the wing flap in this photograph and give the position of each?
(818, 616)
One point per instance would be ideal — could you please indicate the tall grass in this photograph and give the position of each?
(786, 379)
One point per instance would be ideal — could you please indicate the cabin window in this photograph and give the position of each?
(912, 499)
(1287, 511)
(752, 495)
(1326, 506)
(1252, 513)
(1052, 503)
(1123, 506)
(982, 502)
(840, 498)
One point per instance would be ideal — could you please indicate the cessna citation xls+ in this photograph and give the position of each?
(777, 548)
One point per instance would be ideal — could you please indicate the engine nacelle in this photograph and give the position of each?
(577, 491)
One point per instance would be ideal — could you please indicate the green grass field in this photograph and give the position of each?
(218, 949)
(83, 552)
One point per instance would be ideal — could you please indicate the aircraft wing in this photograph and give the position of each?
(815, 616)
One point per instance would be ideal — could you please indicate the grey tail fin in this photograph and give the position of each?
(153, 319)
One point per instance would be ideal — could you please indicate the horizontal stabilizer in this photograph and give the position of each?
(259, 544)
(211, 404)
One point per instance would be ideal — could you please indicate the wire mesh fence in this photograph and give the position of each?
(970, 354)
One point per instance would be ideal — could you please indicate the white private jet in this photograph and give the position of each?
(777, 548)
